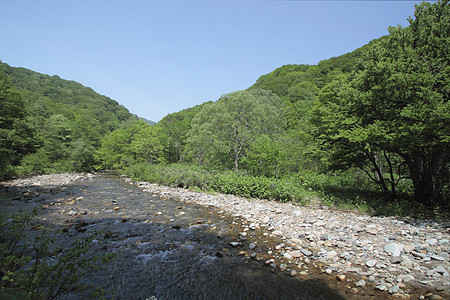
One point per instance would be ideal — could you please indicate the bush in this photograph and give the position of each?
(33, 267)
(226, 182)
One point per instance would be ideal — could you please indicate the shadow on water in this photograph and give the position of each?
(165, 248)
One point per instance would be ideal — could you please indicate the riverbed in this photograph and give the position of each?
(177, 244)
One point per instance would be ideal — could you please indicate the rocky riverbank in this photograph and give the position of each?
(30, 186)
(402, 257)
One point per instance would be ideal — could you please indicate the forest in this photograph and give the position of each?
(367, 130)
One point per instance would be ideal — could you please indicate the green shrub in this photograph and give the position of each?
(226, 182)
(33, 267)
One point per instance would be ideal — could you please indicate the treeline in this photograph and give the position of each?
(48, 124)
(368, 129)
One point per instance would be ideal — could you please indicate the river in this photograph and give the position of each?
(165, 248)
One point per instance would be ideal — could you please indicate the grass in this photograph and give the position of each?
(343, 190)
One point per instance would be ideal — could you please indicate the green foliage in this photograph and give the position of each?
(45, 121)
(391, 119)
(176, 127)
(16, 137)
(296, 82)
(34, 267)
(264, 157)
(227, 182)
(223, 131)
(135, 141)
(82, 156)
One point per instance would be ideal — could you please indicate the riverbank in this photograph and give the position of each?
(43, 183)
(398, 256)
(402, 258)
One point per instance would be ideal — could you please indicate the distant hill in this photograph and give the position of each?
(67, 119)
(69, 98)
(290, 80)
(149, 122)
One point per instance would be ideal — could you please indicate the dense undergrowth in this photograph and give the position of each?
(342, 191)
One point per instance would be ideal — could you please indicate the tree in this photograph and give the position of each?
(393, 114)
(264, 157)
(222, 131)
(135, 141)
(149, 144)
(176, 127)
(16, 137)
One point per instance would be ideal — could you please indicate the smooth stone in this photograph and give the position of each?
(234, 244)
(381, 287)
(357, 228)
(297, 213)
(406, 278)
(372, 231)
(332, 254)
(436, 257)
(306, 252)
(394, 289)
(443, 241)
(394, 249)
(293, 273)
(418, 254)
(396, 259)
(341, 278)
(319, 223)
(287, 255)
(252, 246)
(371, 263)
(296, 253)
(431, 242)
(440, 269)
(408, 248)
(361, 283)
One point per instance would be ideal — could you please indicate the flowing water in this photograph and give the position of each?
(165, 248)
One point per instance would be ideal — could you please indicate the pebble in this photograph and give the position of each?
(381, 287)
(341, 277)
(371, 263)
(394, 289)
(360, 283)
(287, 255)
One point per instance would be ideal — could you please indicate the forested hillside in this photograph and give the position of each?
(51, 125)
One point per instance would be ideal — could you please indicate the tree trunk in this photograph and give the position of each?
(428, 177)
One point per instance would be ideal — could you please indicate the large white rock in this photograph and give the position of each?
(394, 249)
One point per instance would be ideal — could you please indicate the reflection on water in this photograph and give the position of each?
(165, 248)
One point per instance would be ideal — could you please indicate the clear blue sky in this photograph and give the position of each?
(159, 57)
